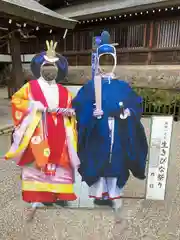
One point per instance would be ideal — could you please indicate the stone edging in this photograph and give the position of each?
(6, 129)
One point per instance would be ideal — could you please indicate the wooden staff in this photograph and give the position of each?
(93, 63)
(98, 92)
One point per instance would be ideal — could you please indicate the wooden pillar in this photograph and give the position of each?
(150, 43)
(17, 79)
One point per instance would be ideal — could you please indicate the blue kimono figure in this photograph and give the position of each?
(111, 142)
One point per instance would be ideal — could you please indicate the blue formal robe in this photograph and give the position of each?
(129, 150)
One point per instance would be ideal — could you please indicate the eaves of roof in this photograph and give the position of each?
(100, 8)
(33, 11)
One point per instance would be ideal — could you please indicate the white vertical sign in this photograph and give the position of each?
(159, 149)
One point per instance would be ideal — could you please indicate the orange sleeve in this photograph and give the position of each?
(20, 104)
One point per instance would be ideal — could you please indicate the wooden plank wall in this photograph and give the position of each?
(3, 42)
(148, 42)
(140, 42)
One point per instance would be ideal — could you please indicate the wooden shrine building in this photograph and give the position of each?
(147, 31)
(21, 21)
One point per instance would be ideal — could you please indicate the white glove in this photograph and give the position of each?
(127, 113)
(38, 106)
(98, 113)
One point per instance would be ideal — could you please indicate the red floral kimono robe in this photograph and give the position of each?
(44, 146)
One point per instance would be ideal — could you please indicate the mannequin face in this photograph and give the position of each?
(49, 72)
(106, 63)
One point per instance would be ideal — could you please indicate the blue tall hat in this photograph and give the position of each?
(106, 48)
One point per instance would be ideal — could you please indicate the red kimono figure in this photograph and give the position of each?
(44, 140)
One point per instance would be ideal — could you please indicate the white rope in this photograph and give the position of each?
(63, 111)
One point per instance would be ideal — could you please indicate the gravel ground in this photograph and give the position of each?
(5, 110)
(141, 219)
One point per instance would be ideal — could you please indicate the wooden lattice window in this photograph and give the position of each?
(31, 46)
(61, 43)
(77, 41)
(87, 40)
(167, 34)
(69, 42)
(131, 36)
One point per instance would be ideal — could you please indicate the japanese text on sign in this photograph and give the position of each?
(158, 157)
(163, 156)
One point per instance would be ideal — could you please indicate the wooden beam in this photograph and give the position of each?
(17, 72)
(151, 34)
